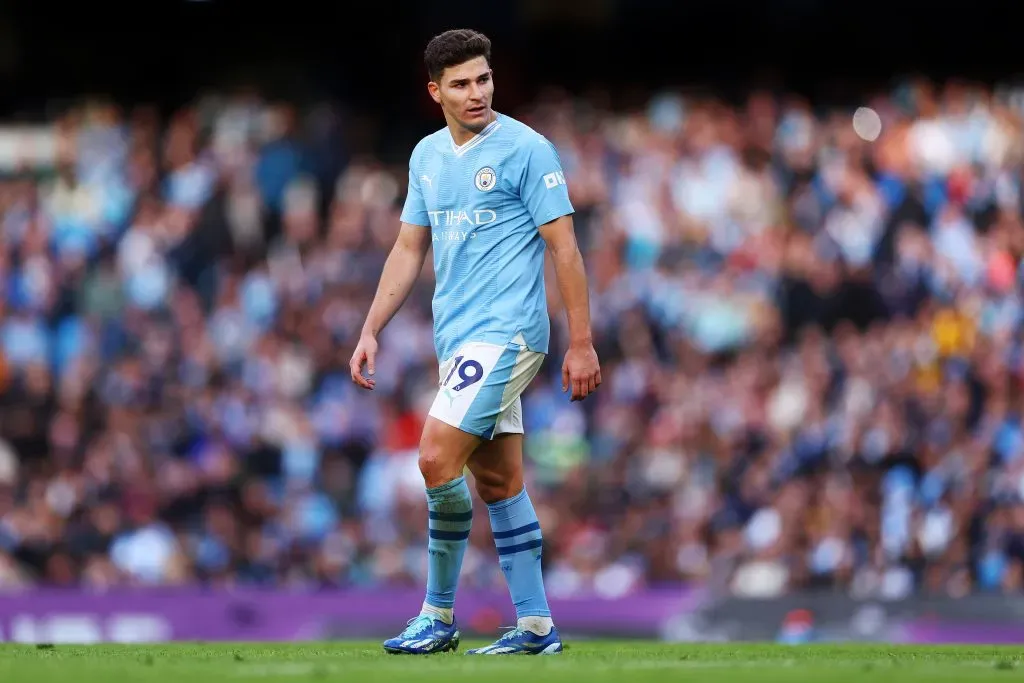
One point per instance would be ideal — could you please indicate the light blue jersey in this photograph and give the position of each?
(483, 202)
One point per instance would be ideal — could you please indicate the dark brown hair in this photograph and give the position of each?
(455, 47)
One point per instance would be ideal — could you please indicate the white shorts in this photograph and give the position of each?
(480, 388)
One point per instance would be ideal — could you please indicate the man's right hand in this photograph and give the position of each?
(366, 352)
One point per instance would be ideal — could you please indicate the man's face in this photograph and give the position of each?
(464, 93)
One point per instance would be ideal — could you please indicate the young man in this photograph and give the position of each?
(488, 193)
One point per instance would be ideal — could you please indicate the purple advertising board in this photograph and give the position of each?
(161, 615)
(60, 616)
(983, 633)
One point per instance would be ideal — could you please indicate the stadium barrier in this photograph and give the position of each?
(162, 615)
(159, 615)
(834, 617)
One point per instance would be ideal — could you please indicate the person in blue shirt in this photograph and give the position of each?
(489, 195)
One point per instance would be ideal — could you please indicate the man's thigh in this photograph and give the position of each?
(497, 467)
(444, 451)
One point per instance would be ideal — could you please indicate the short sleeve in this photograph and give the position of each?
(543, 188)
(415, 209)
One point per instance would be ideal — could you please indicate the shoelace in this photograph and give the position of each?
(512, 632)
(417, 625)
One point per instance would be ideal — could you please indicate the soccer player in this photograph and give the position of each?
(488, 193)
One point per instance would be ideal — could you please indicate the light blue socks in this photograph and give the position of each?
(451, 516)
(518, 539)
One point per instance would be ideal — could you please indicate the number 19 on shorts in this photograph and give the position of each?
(470, 372)
(480, 388)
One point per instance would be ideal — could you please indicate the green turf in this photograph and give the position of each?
(590, 662)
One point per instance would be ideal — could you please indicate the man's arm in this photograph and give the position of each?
(401, 269)
(581, 369)
(571, 275)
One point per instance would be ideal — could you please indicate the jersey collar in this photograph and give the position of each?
(487, 132)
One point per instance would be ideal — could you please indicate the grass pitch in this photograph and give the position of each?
(590, 662)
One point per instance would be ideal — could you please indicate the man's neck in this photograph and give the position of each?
(461, 135)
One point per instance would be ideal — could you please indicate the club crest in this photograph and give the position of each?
(485, 179)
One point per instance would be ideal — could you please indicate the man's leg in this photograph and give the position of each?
(465, 412)
(444, 451)
(497, 468)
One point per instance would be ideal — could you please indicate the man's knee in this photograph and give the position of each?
(494, 486)
(440, 460)
(435, 465)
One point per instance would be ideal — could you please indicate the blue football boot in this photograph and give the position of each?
(424, 635)
(521, 642)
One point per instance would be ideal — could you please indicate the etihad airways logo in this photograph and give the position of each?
(461, 218)
(459, 225)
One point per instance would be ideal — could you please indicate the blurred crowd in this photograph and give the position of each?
(810, 343)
